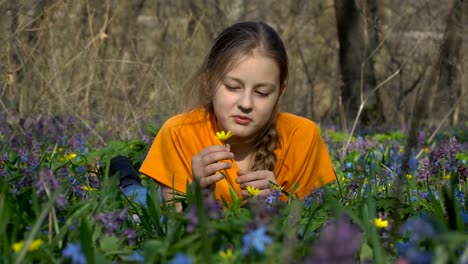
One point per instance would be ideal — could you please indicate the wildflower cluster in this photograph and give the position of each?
(60, 205)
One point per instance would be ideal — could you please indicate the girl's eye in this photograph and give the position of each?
(262, 94)
(231, 87)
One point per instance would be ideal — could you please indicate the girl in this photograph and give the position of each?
(239, 87)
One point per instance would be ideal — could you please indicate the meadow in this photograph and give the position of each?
(60, 205)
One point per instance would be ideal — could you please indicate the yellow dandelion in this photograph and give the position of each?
(426, 150)
(409, 176)
(447, 177)
(380, 223)
(223, 136)
(37, 243)
(253, 191)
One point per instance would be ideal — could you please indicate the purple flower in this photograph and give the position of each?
(339, 242)
(191, 216)
(273, 197)
(75, 252)
(421, 138)
(214, 208)
(316, 195)
(424, 173)
(256, 239)
(46, 178)
(211, 206)
(462, 173)
(78, 143)
(63, 172)
(61, 202)
(112, 221)
(131, 236)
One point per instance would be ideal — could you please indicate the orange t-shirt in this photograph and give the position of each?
(301, 155)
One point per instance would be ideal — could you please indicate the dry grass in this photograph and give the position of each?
(124, 62)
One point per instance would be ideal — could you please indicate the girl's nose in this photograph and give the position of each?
(245, 101)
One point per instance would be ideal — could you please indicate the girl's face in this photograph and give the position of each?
(244, 101)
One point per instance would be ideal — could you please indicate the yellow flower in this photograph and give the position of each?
(226, 255)
(37, 243)
(223, 136)
(276, 187)
(87, 188)
(380, 223)
(447, 177)
(253, 191)
(426, 150)
(409, 176)
(70, 156)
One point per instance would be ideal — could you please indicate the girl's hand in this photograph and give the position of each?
(207, 162)
(258, 179)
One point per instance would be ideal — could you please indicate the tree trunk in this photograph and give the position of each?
(355, 47)
(451, 58)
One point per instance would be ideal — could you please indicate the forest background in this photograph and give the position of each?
(121, 64)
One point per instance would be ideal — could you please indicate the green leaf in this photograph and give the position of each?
(86, 241)
(110, 243)
(36, 227)
(232, 192)
(5, 205)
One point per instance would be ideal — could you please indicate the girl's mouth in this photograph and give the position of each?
(242, 120)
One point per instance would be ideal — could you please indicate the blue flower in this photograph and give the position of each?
(181, 258)
(349, 175)
(256, 239)
(75, 252)
(349, 165)
(413, 254)
(413, 162)
(464, 217)
(419, 228)
(136, 257)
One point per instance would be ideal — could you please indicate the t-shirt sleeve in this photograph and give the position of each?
(165, 161)
(311, 164)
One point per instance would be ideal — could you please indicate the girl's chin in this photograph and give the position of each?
(240, 136)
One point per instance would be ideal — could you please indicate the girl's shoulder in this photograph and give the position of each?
(287, 123)
(195, 123)
(193, 118)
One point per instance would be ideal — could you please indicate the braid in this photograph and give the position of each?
(264, 158)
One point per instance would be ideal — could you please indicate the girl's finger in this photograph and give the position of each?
(213, 157)
(253, 176)
(207, 181)
(261, 184)
(213, 168)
